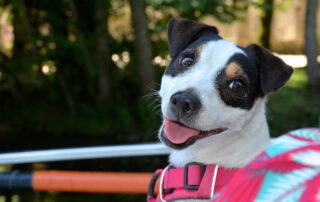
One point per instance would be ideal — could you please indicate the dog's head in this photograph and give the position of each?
(212, 85)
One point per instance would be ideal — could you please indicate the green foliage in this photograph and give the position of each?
(293, 107)
(49, 87)
(221, 10)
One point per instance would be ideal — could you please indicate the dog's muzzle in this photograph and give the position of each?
(184, 104)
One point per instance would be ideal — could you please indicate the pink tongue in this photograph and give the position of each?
(177, 133)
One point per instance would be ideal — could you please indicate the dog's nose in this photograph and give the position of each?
(184, 104)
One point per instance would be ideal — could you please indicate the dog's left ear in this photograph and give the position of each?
(181, 32)
(274, 73)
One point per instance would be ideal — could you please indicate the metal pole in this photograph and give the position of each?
(149, 149)
(75, 181)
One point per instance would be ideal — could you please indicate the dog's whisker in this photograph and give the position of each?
(156, 132)
(150, 96)
(154, 104)
(157, 107)
(154, 96)
(152, 89)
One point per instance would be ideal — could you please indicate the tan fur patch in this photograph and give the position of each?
(233, 70)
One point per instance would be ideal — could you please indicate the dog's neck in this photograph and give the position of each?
(234, 148)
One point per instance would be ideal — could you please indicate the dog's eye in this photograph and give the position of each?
(186, 61)
(237, 87)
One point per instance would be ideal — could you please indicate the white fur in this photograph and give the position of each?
(233, 148)
(247, 133)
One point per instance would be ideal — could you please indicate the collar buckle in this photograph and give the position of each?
(185, 180)
(186, 173)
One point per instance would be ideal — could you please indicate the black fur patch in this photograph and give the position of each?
(250, 79)
(274, 73)
(182, 32)
(262, 73)
(185, 37)
(192, 50)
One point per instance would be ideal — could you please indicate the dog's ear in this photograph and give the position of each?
(181, 32)
(274, 73)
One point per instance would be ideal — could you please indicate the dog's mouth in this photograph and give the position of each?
(179, 136)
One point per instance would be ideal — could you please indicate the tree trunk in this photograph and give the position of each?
(88, 63)
(266, 24)
(103, 53)
(311, 47)
(142, 45)
(67, 95)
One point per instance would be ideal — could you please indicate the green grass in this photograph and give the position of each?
(292, 106)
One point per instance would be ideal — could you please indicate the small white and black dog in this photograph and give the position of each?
(213, 96)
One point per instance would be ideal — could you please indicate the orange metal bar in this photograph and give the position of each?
(91, 182)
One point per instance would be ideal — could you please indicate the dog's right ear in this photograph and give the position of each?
(181, 32)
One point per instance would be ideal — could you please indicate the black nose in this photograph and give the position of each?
(184, 104)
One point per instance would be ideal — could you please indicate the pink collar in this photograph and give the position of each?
(193, 181)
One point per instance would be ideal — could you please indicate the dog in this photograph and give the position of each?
(213, 96)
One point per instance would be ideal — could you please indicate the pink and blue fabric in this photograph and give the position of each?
(288, 170)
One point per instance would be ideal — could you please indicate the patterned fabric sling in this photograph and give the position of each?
(288, 170)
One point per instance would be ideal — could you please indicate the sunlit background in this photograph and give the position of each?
(85, 73)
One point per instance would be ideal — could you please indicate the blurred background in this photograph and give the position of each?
(85, 73)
